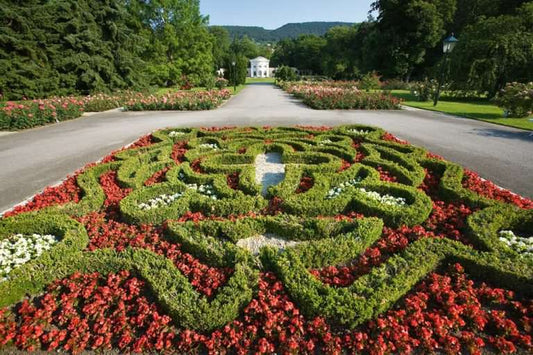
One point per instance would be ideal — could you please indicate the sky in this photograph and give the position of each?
(272, 14)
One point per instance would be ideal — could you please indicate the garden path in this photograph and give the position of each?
(35, 158)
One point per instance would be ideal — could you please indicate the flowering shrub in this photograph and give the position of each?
(31, 113)
(516, 99)
(425, 90)
(221, 83)
(181, 100)
(358, 274)
(19, 249)
(103, 102)
(343, 95)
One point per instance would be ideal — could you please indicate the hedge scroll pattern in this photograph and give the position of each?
(212, 173)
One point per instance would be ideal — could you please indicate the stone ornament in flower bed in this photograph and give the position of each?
(186, 213)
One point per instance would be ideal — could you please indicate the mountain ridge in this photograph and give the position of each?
(289, 30)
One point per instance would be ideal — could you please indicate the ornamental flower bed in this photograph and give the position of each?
(32, 113)
(181, 100)
(388, 249)
(27, 114)
(343, 96)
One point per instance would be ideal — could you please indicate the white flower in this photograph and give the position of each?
(325, 141)
(384, 199)
(176, 133)
(19, 249)
(159, 201)
(337, 190)
(360, 132)
(522, 245)
(209, 146)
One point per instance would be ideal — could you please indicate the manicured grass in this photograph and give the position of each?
(259, 80)
(238, 89)
(478, 109)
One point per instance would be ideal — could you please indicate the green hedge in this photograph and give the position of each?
(32, 276)
(374, 293)
(307, 218)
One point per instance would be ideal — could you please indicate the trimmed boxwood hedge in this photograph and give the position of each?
(308, 217)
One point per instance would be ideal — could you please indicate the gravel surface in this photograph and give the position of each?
(254, 244)
(269, 170)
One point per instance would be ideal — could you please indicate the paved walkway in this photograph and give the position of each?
(33, 159)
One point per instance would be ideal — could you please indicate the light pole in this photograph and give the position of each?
(234, 77)
(447, 47)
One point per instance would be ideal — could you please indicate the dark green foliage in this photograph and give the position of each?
(236, 74)
(79, 47)
(65, 47)
(285, 73)
(303, 53)
(494, 51)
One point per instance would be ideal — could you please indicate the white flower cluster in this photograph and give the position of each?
(384, 199)
(159, 201)
(521, 245)
(209, 146)
(176, 134)
(206, 190)
(325, 141)
(360, 132)
(337, 190)
(165, 200)
(19, 249)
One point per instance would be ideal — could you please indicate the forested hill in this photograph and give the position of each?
(290, 30)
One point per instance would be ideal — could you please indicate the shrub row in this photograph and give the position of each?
(32, 113)
(374, 293)
(28, 114)
(181, 100)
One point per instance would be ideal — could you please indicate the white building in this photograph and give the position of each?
(260, 68)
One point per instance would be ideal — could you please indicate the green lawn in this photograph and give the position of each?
(474, 108)
(162, 91)
(259, 80)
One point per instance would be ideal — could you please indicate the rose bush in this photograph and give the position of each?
(181, 100)
(340, 95)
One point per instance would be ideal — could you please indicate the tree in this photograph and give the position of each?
(339, 53)
(236, 74)
(221, 45)
(180, 42)
(408, 29)
(494, 51)
(285, 73)
(304, 52)
(64, 47)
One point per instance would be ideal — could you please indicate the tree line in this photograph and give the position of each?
(62, 47)
(404, 42)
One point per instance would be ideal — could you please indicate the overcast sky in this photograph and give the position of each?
(272, 14)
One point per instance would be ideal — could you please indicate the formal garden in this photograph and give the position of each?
(289, 239)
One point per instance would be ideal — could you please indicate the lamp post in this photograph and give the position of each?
(447, 47)
(234, 77)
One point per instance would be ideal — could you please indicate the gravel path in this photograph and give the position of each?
(255, 243)
(33, 159)
(269, 170)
